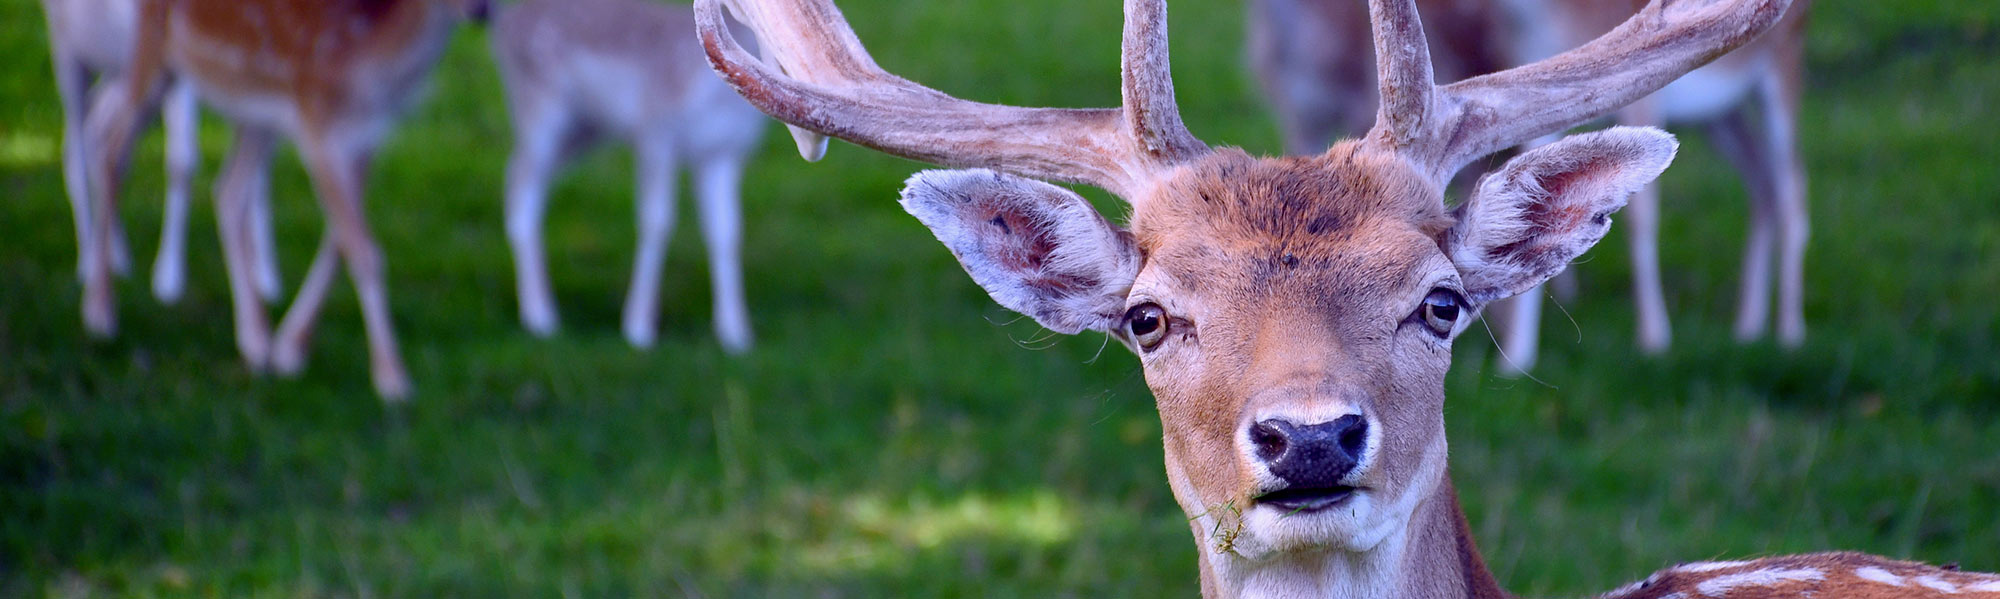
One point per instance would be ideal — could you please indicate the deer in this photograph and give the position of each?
(1314, 75)
(330, 76)
(89, 44)
(1293, 316)
(575, 71)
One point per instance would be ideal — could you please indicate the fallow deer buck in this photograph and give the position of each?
(90, 43)
(1294, 316)
(579, 69)
(331, 76)
(1747, 100)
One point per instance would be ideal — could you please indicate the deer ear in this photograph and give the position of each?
(1038, 249)
(1527, 220)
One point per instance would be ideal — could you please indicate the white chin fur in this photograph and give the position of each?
(1357, 525)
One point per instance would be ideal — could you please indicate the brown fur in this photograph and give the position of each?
(1830, 575)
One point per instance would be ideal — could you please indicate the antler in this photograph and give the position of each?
(1443, 129)
(830, 85)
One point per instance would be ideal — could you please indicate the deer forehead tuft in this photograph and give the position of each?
(1297, 209)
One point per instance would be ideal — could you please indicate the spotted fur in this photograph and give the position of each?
(1841, 575)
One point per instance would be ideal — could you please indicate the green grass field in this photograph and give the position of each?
(895, 433)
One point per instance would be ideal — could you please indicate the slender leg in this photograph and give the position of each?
(539, 134)
(1521, 335)
(113, 121)
(109, 98)
(656, 166)
(1743, 147)
(1781, 88)
(722, 228)
(178, 112)
(246, 156)
(1642, 232)
(264, 243)
(337, 175)
(288, 356)
(72, 81)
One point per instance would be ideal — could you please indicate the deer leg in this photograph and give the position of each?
(1642, 234)
(655, 157)
(720, 200)
(263, 241)
(109, 97)
(288, 355)
(253, 334)
(1734, 137)
(1520, 333)
(538, 144)
(72, 87)
(178, 113)
(109, 128)
(1779, 92)
(337, 175)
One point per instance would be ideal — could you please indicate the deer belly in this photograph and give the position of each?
(615, 94)
(1703, 95)
(277, 112)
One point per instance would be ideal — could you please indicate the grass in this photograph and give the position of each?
(897, 434)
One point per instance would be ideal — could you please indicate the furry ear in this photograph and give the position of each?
(1038, 249)
(1527, 220)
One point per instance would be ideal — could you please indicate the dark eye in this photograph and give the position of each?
(1440, 311)
(1147, 323)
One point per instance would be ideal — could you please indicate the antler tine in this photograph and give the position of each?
(830, 85)
(1403, 70)
(1148, 85)
(1478, 116)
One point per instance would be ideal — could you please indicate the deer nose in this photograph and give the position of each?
(1313, 455)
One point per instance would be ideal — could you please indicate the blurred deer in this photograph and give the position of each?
(577, 70)
(329, 75)
(90, 42)
(1306, 57)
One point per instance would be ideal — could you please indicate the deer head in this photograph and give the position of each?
(1294, 316)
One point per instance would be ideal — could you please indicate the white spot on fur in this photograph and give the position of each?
(1938, 584)
(1991, 586)
(1708, 566)
(1720, 585)
(1878, 575)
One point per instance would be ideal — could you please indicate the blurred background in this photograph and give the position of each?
(896, 433)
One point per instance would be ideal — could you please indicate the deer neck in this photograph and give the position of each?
(1433, 557)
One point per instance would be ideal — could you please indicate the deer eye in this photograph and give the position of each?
(1440, 311)
(1147, 324)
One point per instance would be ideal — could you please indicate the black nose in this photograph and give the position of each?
(1314, 455)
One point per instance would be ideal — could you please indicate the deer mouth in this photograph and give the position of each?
(1306, 499)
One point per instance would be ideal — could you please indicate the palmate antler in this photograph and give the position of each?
(830, 85)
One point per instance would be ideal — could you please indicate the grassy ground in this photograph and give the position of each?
(896, 434)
